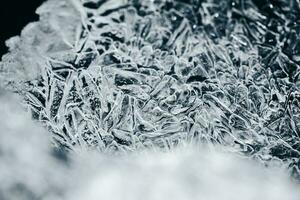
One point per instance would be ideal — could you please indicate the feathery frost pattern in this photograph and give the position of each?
(122, 75)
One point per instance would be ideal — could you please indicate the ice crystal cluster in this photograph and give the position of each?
(121, 75)
(30, 169)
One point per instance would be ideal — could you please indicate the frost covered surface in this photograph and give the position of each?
(123, 75)
(31, 170)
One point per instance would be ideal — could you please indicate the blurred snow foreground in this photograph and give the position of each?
(151, 86)
(30, 169)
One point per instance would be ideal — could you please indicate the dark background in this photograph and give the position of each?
(14, 15)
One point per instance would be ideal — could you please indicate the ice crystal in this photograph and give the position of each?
(128, 74)
(31, 170)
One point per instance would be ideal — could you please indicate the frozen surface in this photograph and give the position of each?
(123, 75)
(31, 170)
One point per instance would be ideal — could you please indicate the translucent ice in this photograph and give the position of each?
(126, 74)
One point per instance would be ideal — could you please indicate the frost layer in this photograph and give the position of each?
(31, 170)
(121, 75)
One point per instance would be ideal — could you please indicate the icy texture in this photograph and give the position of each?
(121, 75)
(31, 170)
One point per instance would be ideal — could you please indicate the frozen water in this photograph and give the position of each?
(123, 75)
(31, 170)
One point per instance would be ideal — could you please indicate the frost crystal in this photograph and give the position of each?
(128, 74)
(31, 170)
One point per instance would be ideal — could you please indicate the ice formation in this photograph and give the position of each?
(31, 170)
(123, 75)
